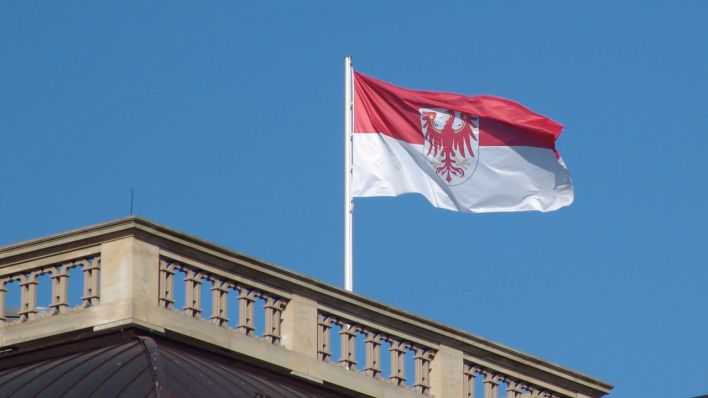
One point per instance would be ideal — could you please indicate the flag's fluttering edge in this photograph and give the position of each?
(472, 154)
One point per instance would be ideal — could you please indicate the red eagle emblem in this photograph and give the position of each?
(451, 143)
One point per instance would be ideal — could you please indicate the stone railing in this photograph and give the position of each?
(373, 338)
(221, 286)
(152, 277)
(28, 277)
(496, 381)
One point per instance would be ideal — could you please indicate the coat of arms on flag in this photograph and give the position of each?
(451, 143)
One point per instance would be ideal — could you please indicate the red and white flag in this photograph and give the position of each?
(471, 154)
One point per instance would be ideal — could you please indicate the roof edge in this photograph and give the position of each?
(135, 225)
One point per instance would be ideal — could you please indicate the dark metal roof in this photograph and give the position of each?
(143, 366)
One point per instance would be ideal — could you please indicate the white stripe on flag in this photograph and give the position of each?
(505, 179)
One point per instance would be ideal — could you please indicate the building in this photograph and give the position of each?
(132, 308)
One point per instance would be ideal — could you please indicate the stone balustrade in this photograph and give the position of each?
(496, 382)
(28, 276)
(137, 273)
(373, 339)
(220, 288)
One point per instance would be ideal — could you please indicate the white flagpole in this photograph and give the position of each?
(348, 202)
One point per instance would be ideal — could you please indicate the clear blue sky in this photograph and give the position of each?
(227, 121)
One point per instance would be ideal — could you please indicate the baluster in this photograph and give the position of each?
(373, 354)
(219, 302)
(398, 363)
(523, 389)
(60, 288)
(491, 384)
(192, 293)
(470, 373)
(167, 275)
(3, 291)
(422, 360)
(534, 392)
(347, 334)
(273, 313)
(28, 296)
(324, 324)
(91, 270)
(246, 297)
(513, 389)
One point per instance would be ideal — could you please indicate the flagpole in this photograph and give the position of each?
(348, 202)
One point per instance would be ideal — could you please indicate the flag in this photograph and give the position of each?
(463, 153)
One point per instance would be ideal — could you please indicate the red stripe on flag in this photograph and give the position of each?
(380, 107)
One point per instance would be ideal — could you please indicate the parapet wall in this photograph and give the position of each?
(135, 272)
